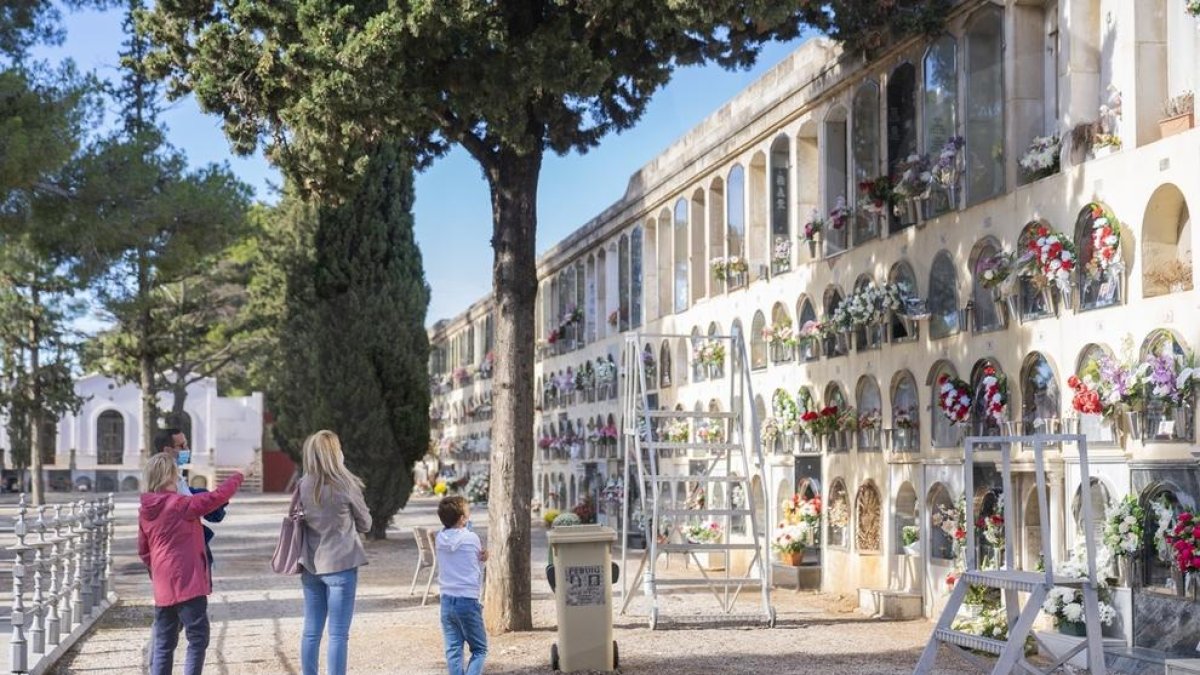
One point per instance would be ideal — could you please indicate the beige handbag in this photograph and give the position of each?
(289, 548)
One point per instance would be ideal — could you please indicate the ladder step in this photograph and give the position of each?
(970, 641)
(712, 618)
(689, 414)
(705, 512)
(1016, 580)
(713, 580)
(686, 548)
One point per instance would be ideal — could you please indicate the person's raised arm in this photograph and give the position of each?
(206, 502)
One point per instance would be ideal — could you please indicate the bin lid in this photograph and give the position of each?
(581, 534)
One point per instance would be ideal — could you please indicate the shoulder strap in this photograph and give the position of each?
(296, 508)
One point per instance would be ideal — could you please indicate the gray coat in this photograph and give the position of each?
(331, 541)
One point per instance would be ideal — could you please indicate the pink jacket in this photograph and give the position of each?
(171, 541)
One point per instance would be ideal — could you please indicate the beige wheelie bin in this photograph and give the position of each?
(582, 576)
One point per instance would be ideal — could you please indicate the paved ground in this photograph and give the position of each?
(257, 617)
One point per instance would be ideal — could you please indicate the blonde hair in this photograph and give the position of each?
(324, 462)
(160, 471)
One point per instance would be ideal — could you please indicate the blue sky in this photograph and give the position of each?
(453, 212)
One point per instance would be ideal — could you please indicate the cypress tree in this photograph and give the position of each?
(355, 342)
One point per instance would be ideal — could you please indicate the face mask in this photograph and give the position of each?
(183, 457)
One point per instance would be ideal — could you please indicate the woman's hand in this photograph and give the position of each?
(250, 470)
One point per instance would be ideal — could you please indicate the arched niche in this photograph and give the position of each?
(937, 501)
(1166, 243)
(838, 514)
(907, 514)
(868, 510)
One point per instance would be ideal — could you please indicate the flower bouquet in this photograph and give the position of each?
(822, 423)
(954, 399)
(1065, 605)
(839, 215)
(876, 196)
(912, 188)
(477, 488)
(677, 431)
(703, 533)
(771, 430)
(1123, 528)
(1184, 540)
(797, 509)
(995, 394)
(781, 257)
(1106, 241)
(711, 432)
(994, 271)
(710, 353)
(1052, 259)
(904, 418)
(725, 269)
(1041, 159)
(1168, 377)
(948, 168)
(909, 536)
(780, 334)
(790, 540)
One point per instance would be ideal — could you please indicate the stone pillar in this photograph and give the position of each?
(1059, 506)
(37, 631)
(1079, 26)
(19, 649)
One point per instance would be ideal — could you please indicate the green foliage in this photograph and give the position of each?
(353, 352)
(866, 26)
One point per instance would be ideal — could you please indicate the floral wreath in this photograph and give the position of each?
(995, 393)
(954, 399)
(1054, 256)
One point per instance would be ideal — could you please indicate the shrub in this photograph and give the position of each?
(566, 520)
(549, 515)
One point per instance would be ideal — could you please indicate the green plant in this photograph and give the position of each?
(910, 534)
(566, 520)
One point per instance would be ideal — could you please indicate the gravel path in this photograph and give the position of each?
(257, 618)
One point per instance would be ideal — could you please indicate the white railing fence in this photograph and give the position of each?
(61, 566)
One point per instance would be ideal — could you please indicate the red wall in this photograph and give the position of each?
(278, 469)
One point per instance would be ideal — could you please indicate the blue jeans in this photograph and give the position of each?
(332, 596)
(462, 621)
(192, 617)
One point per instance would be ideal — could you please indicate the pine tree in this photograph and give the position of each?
(355, 346)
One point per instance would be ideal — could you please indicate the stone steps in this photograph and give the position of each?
(890, 604)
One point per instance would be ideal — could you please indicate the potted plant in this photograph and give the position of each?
(910, 536)
(791, 541)
(1178, 114)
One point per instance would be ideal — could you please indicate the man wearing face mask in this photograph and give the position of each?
(175, 442)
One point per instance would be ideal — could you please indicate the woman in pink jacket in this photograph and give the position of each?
(171, 543)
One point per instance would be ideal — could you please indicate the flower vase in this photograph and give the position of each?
(1193, 583)
(913, 549)
(792, 558)
(1130, 424)
(1179, 580)
(1125, 571)
(1074, 628)
(952, 194)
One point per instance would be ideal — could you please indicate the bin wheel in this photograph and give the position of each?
(616, 657)
(554, 657)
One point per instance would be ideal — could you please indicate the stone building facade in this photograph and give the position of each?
(986, 97)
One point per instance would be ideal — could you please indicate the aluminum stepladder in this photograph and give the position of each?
(1012, 581)
(728, 463)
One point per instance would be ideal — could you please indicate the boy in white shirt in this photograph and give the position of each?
(460, 557)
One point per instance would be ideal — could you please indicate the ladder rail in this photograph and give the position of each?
(756, 529)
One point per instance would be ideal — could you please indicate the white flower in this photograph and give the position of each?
(1073, 611)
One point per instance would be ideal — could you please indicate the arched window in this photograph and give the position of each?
(1101, 269)
(870, 413)
(836, 175)
(110, 438)
(716, 235)
(907, 518)
(943, 433)
(623, 281)
(869, 516)
(940, 112)
(589, 311)
(699, 371)
(1170, 414)
(716, 371)
(758, 345)
(941, 546)
(635, 274)
(867, 337)
(866, 152)
(906, 418)
(1039, 395)
(1034, 295)
(1101, 501)
(681, 255)
(735, 218)
(835, 345)
(757, 240)
(664, 365)
(663, 272)
(943, 297)
(903, 328)
(983, 421)
(1166, 243)
(806, 316)
(901, 121)
(836, 398)
(839, 514)
(780, 179)
(783, 336)
(986, 315)
(698, 269)
(1088, 368)
(603, 326)
(985, 105)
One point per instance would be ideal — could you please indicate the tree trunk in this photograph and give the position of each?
(36, 437)
(178, 399)
(146, 361)
(513, 180)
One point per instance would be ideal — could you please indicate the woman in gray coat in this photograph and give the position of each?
(334, 514)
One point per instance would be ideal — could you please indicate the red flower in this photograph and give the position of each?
(1185, 517)
(1073, 382)
(809, 416)
(960, 533)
